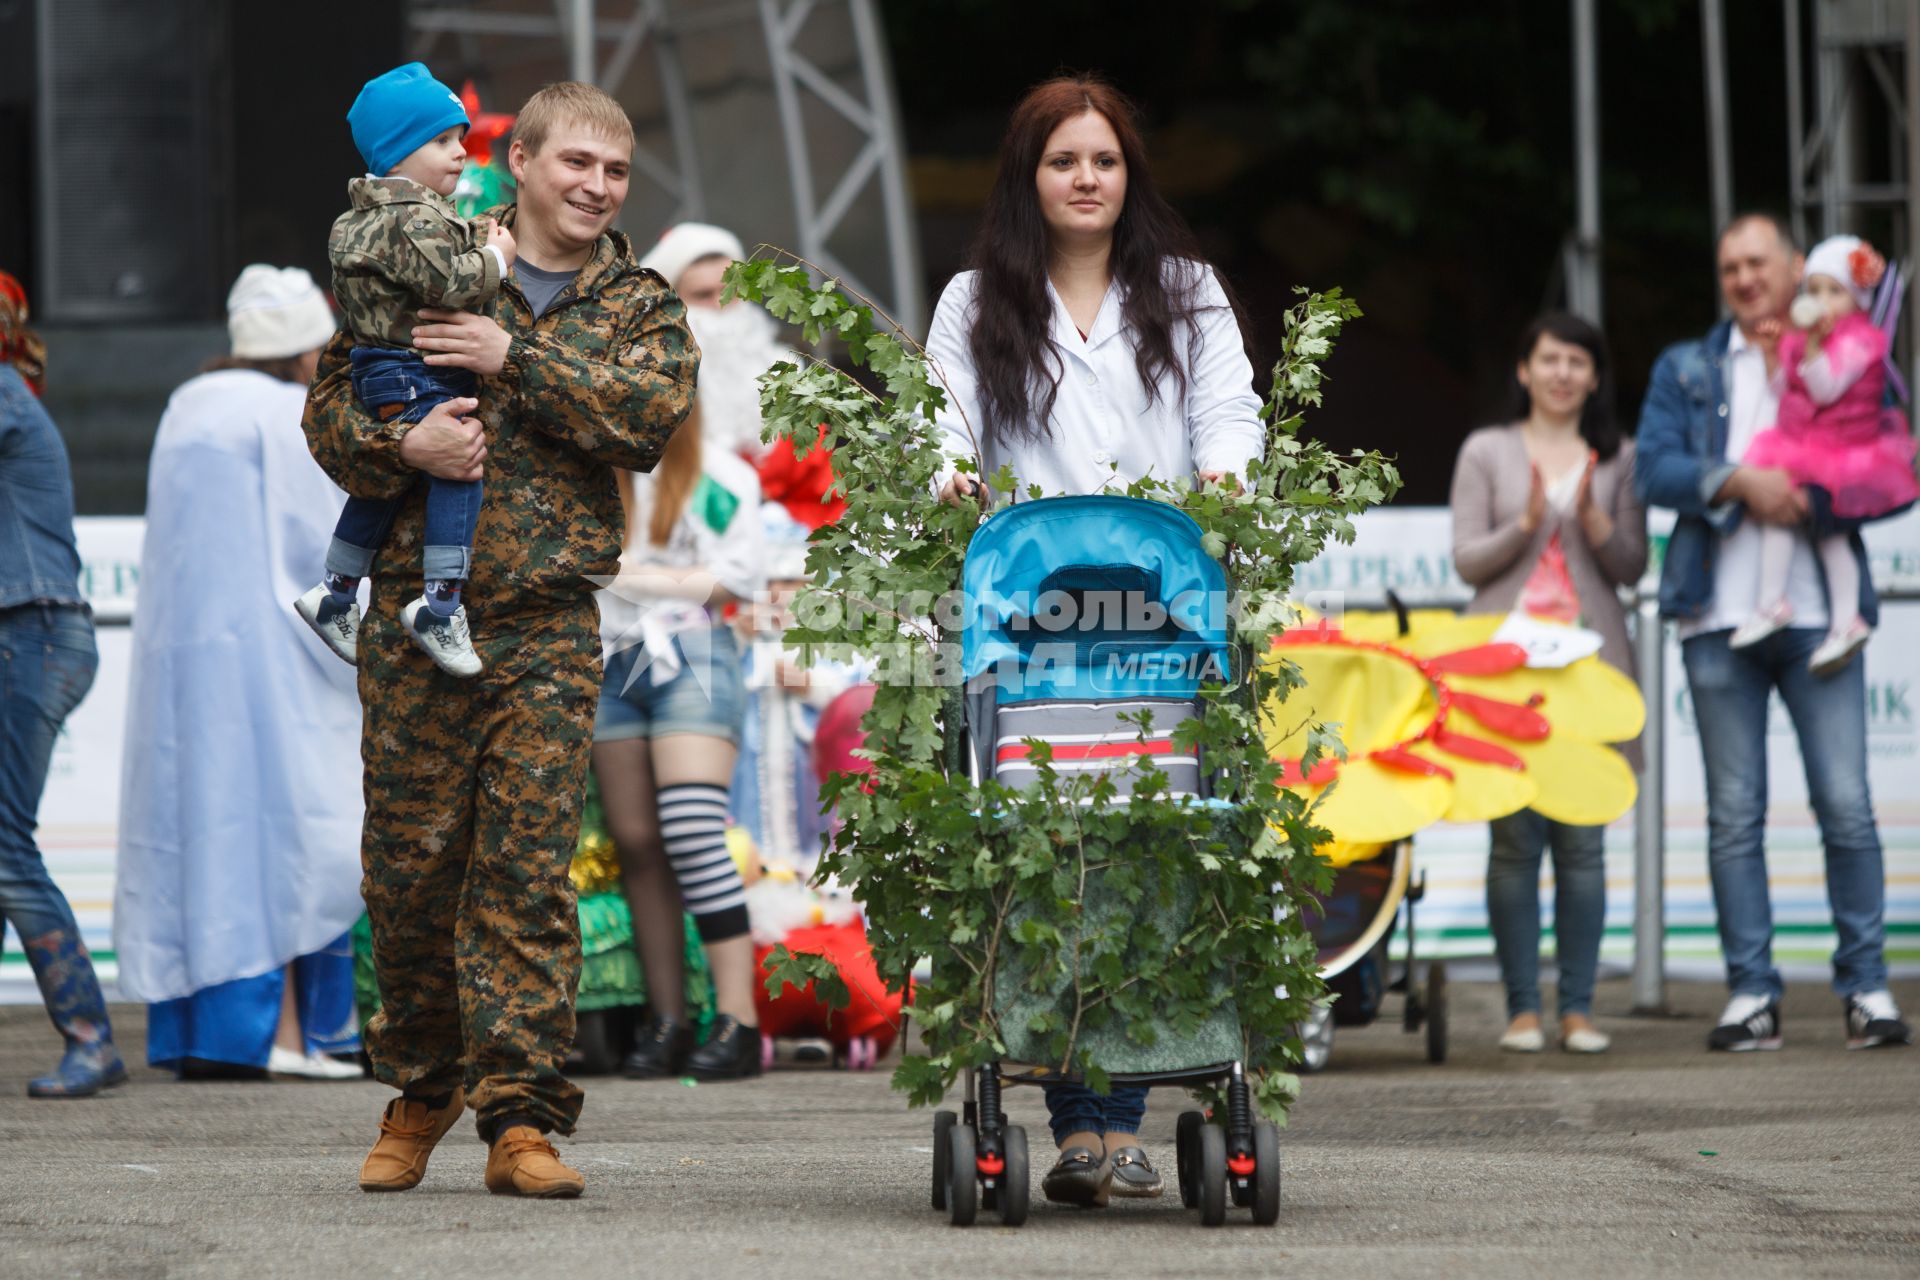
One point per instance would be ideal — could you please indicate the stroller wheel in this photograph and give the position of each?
(1436, 1012)
(1266, 1173)
(943, 1122)
(1013, 1195)
(1213, 1175)
(1186, 1148)
(963, 1176)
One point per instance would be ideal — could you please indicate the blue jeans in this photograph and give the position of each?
(1074, 1108)
(1579, 908)
(1730, 692)
(47, 664)
(385, 379)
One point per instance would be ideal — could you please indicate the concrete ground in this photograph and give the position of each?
(1654, 1159)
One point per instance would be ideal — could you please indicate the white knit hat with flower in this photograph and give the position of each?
(1852, 262)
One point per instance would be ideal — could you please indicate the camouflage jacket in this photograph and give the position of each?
(600, 381)
(399, 248)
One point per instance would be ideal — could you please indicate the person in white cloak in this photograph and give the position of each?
(239, 862)
(738, 341)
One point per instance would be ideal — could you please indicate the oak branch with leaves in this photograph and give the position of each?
(990, 883)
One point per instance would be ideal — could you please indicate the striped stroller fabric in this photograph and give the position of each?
(1093, 737)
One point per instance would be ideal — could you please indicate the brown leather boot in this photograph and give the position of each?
(523, 1163)
(408, 1132)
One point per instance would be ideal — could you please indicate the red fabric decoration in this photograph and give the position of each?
(1481, 660)
(801, 484)
(873, 1011)
(1407, 762)
(1459, 744)
(1509, 719)
(1322, 772)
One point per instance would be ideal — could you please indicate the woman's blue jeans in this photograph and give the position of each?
(401, 379)
(47, 664)
(1579, 907)
(1074, 1108)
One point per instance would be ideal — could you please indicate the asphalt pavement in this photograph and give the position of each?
(1654, 1159)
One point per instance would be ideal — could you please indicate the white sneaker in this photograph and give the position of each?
(1775, 617)
(310, 1066)
(1748, 1023)
(446, 640)
(333, 622)
(1839, 647)
(1873, 1020)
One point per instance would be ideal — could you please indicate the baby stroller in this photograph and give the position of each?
(1070, 687)
(1352, 929)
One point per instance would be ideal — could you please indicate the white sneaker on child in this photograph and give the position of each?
(1839, 647)
(1773, 618)
(337, 624)
(445, 639)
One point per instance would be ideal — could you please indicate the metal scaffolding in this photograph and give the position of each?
(776, 117)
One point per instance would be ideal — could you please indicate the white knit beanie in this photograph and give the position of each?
(276, 312)
(685, 243)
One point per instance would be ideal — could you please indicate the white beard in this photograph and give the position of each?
(737, 344)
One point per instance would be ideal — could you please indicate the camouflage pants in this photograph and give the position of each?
(474, 791)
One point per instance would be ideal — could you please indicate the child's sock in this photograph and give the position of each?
(443, 596)
(342, 588)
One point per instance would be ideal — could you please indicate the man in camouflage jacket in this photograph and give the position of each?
(474, 787)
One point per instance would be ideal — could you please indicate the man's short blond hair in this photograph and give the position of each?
(571, 102)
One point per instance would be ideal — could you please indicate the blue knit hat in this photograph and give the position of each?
(398, 113)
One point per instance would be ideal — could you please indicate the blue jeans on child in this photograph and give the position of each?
(1074, 1108)
(1731, 690)
(383, 378)
(47, 664)
(1579, 908)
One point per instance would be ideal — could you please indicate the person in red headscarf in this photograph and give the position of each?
(47, 664)
(20, 346)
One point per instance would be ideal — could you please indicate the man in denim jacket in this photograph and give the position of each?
(1706, 400)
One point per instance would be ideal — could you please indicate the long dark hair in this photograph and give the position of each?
(1155, 260)
(1598, 425)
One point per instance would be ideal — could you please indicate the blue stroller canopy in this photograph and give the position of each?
(1092, 597)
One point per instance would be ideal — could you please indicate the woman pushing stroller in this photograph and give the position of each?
(1089, 346)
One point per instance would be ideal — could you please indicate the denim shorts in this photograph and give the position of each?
(705, 697)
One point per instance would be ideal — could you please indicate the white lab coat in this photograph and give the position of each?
(240, 788)
(1102, 430)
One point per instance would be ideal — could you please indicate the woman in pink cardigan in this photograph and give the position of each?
(1545, 523)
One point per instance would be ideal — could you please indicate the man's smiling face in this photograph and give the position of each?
(573, 186)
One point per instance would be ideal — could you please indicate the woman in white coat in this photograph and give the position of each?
(1091, 346)
(239, 864)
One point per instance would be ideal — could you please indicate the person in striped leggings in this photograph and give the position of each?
(665, 740)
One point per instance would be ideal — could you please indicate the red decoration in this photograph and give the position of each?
(1508, 719)
(484, 128)
(801, 485)
(1867, 265)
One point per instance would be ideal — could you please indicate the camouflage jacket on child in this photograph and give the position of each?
(399, 248)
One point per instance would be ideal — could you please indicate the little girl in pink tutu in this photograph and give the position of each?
(1834, 433)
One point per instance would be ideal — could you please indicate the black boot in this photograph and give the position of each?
(732, 1052)
(72, 992)
(662, 1050)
